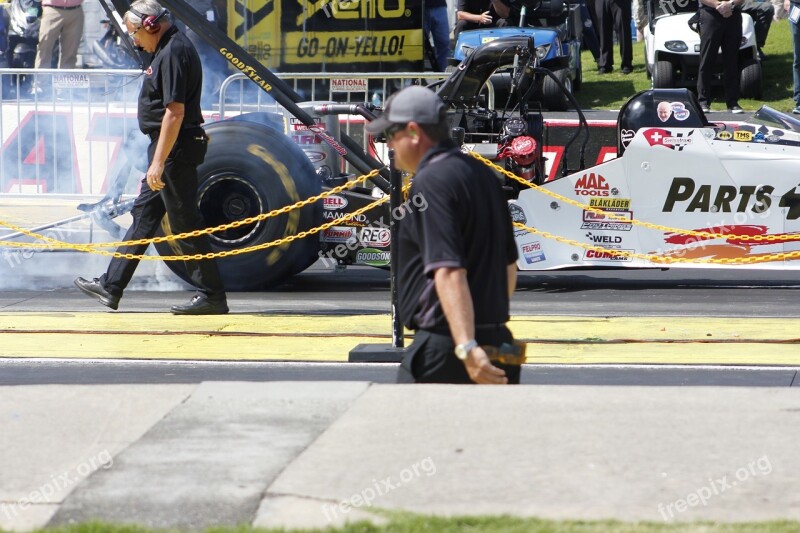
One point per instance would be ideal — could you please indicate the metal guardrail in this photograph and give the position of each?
(62, 130)
(48, 115)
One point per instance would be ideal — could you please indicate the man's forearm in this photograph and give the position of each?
(170, 127)
(512, 278)
(453, 291)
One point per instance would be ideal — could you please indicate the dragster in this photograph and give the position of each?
(682, 192)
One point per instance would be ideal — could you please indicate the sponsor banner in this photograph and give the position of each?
(71, 81)
(305, 35)
(347, 85)
(346, 47)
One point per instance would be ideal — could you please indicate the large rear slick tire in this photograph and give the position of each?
(250, 169)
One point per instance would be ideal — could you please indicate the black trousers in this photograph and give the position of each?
(430, 358)
(178, 201)
(611, 16)
(716, 31)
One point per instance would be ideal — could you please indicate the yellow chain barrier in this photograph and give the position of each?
(50, 243)
(613, 216)
(674, 257)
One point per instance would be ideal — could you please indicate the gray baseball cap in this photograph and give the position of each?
(412, 104)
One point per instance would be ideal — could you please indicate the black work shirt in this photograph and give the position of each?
(466, 224)
(174, 75)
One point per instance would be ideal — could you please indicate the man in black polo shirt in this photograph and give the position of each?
(169, 113)
(457, 257)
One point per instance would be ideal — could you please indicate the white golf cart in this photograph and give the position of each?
(672, 49)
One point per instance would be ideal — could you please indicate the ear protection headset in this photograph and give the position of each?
(149, 22)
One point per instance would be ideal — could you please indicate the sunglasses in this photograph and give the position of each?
(393, 130)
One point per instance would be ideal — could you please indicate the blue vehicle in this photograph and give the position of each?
(555, 28)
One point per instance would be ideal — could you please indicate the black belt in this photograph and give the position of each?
(444, 330)
(64, 8)
(190, 130)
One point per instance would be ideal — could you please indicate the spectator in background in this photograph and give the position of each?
(762, 14)
(780, 11)
(720, 24)
(62, 22)
(792, 9)
(611, 16)
(476, 14)
(589, 34)
(639, 19)
(437, 27)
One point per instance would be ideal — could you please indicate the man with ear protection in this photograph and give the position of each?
(457, 258)
(169, 113)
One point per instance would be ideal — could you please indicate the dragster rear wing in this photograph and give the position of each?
(349, 149)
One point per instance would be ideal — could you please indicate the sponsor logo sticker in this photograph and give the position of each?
(334, 202)
(338, 234)
(599, 221)
(610, 203)
(626, 136)
(591, 184)
(742, 136)
(724, 136)
(607, 255)
(532, 252)
(373, 257)
(380, 237)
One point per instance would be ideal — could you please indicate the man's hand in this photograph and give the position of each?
(484, 18)
(154, 174)
(482, 371)
(725, 9)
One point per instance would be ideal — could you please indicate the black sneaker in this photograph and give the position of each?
(704, 108)
(735, 109)
(627, 70)
(200, 304)
(796, 110)
(96, 290)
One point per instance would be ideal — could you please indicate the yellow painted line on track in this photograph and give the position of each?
(551, 339)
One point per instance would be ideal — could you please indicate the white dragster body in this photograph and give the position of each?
(730, 180)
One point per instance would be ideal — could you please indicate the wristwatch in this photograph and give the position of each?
(462, 350)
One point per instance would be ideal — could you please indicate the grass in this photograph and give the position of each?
(408, 523)
(610, 91)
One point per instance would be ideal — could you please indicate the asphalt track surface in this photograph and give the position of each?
(650, 327)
